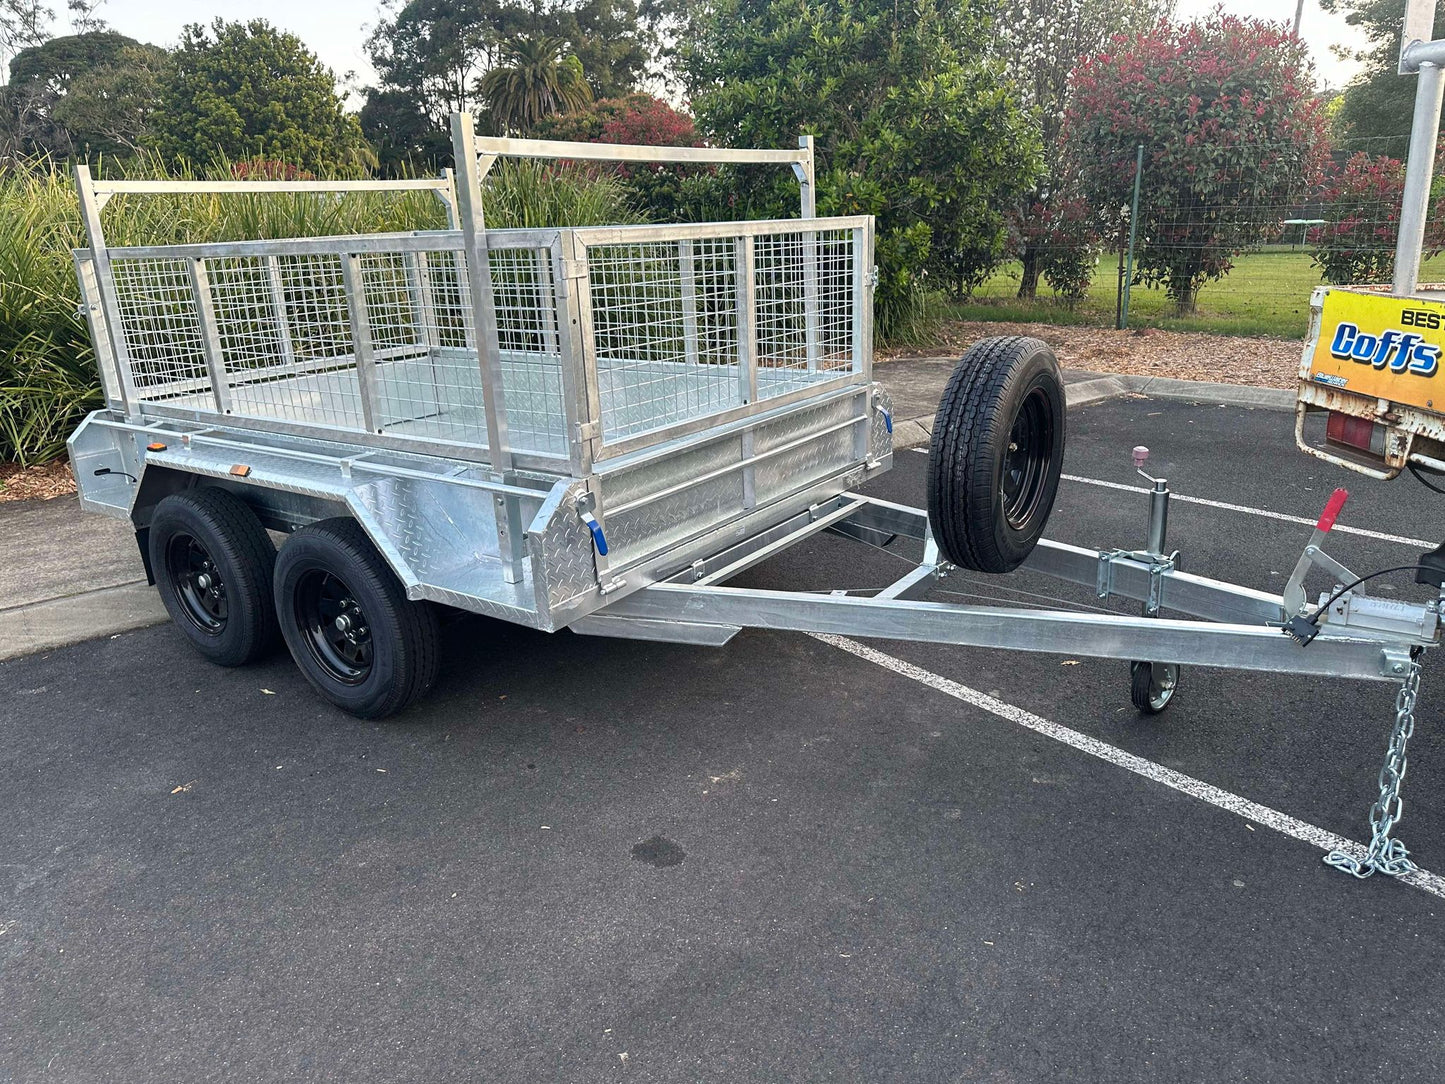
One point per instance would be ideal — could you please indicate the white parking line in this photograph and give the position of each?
(1247, 509)
(1185, 784)
(1339, 528)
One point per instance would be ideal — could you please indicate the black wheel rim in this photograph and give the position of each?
(198, 583)
(1027, 459)
(335, 630)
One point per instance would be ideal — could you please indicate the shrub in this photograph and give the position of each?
(1226, 111)
(1358, 243)
(1068, 246)
(659, 192)
(911, 124)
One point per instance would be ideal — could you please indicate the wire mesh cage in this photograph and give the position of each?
(376, 336)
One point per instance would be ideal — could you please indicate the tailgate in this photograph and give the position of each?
(1372, 363)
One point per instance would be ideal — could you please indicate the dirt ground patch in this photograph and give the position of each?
(19, 483)
(1183, 355)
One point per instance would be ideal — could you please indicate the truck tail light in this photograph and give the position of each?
(1350, 430)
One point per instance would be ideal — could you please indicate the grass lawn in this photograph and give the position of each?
(1267, 293)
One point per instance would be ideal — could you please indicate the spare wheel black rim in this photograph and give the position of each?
(198, 583)
(333, 626)
(1027, 459)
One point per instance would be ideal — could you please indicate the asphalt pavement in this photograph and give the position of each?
(587, 860)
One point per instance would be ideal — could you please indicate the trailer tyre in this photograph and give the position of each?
(996, 452)
(1152, 685)
(348, 623)
(213, 562)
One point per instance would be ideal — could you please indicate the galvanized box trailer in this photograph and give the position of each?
(595, 429)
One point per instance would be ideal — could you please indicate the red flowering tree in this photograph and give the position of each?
(658, 191)
(1357, 244)
(632, 118)
(1232, 131)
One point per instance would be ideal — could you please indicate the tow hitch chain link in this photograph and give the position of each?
(1386, 855)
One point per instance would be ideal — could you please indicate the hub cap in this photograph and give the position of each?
(198, 584)
(1026, 462)
(335, 630)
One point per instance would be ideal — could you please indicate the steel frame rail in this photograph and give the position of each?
(1241, 629)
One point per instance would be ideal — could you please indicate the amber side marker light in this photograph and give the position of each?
(240, 470)
(156, 447)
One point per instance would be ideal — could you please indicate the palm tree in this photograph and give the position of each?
(537, 78)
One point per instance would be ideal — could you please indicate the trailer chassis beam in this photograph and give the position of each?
(1105, 636)
(1113, 573)
(1241, 631)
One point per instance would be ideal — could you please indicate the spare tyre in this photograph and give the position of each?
(996, 453)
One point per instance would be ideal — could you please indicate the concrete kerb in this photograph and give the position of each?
(44, 624)
(911, 432)
(56, 622)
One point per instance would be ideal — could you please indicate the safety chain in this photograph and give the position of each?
(1386, 855)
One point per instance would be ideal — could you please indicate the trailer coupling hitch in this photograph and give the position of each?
(1349, 606)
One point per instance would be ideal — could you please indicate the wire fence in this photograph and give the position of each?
(1238, 250)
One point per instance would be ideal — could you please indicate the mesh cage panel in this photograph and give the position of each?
(157, 309)
(684, 325)
(672, 322)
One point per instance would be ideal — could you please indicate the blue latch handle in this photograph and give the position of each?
(887, 420)
(598, 538)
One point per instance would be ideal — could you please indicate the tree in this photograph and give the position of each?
(110, 109)
(405, 137)
(248, 90)
(536, 78)
(661, 192)
(611, 38)
(435, 53)
(1040, 42)
(93, 92)
(1378, 103)
(83, 17)
(910, 125)
(23, 24)
(1231, 130)
(1363, 198)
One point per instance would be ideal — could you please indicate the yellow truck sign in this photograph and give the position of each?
(1381, 347)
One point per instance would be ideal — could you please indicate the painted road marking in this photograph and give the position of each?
(1308, 521)
(1185, 784)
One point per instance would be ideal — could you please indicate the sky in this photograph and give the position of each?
(336, 30)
